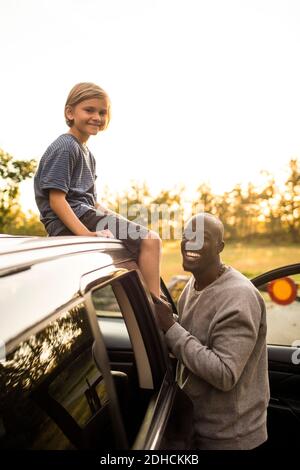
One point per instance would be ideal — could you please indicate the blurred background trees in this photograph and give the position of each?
(248, 212)
(12, 219)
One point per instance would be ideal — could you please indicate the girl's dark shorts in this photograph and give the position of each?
(130, 233)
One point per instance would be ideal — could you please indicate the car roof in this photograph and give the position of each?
(41, 274)
(9, 241)
(19, 252)
(12, 243)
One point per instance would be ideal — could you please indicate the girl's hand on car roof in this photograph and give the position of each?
(104, 233)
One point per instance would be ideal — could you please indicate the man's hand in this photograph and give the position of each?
(164, 314)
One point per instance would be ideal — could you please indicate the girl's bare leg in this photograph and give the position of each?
(149, 261)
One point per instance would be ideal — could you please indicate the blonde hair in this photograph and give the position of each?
(85, 91)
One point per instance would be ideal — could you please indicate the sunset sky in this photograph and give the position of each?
(201, 90)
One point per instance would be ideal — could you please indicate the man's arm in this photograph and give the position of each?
(232, 342)
(59, 205)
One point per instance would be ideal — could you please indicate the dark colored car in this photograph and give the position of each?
(83, 364)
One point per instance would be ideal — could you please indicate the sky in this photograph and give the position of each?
(201, 90)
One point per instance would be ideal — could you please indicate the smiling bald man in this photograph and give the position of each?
(220, 343)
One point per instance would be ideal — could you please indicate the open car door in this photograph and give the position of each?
(280, 289)
(155, 413)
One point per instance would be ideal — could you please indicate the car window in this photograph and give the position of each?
(110, 318)
(105, 302)
(53, 394)
(130, 336)
(283, 310)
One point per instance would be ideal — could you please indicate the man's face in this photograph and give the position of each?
(206, 252)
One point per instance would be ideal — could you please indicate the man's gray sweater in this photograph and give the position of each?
(220, 342)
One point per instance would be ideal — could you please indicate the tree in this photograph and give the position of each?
(224, 211)
(206, 198)
(270, 203)
(12, 173)
(170, 212)
(291, 201)
(237, 197)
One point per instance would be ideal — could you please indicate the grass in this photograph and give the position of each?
(250, 259)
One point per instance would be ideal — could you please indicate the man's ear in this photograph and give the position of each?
(221, 246)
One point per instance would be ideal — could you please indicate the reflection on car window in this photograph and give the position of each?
(105, 302)
(79, 385)
(283, 321)
(52, 393)
(110, 316)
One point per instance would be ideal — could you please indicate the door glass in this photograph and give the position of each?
(282, 299)
(125, 361)
(52, 393)
(110, 317)
(105, 302)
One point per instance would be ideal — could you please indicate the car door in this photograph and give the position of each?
(281, 292)
(156, 413)
(56, 388)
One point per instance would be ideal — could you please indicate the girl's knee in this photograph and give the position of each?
(153, 237)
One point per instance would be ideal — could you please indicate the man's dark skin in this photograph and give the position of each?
(204, 263)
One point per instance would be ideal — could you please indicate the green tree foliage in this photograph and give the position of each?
(270, 198)
(133, 203)
(290, 202)
(25, 224)
(207, 198)
(248, 212)
(12, 173)
(168, 220)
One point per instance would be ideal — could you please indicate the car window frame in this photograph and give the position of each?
(278, 353)
(155, 347)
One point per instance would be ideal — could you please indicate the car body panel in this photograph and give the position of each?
(43, 283)
(42, 280)
(284, 373)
